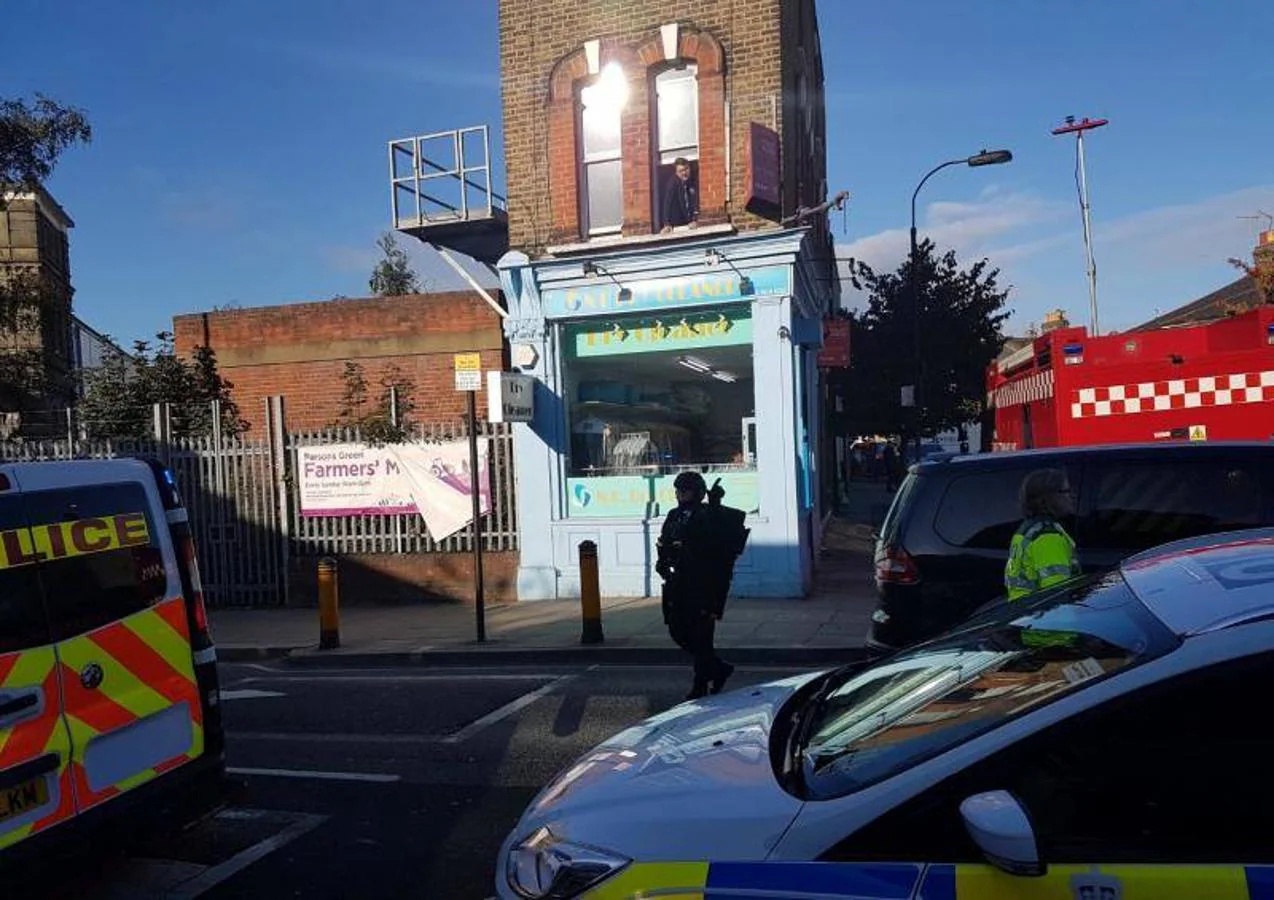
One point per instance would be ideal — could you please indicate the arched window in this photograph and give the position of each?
(676, 131)
(601, 105)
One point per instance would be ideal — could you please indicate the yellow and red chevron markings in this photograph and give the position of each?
(36, 737)
(147, 667)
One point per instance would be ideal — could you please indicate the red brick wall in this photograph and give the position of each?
(748, 51)
(300, 351)
(379, 578)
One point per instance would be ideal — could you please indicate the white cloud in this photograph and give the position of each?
(971, 228)
(1207, 231)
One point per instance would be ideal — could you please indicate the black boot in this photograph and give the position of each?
(724, 671)
(698, 689)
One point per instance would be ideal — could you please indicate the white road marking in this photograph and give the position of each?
(336, 679)
(505, 711)
(319, 737)
(321, 776)
(210, 878)
(250, 694)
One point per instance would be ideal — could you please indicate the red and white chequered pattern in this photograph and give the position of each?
(1027, 390)
(1179, 393)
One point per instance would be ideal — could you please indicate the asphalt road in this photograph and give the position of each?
(384, 782)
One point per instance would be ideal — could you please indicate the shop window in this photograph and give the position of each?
(653, 395)
(676, 138)
(601, 105)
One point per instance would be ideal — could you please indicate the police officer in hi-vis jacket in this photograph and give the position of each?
(1042, 554)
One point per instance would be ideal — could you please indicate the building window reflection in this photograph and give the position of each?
(600, 106)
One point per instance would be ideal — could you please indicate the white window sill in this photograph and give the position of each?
(638, 240)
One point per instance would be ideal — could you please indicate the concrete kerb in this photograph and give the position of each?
(311, 657)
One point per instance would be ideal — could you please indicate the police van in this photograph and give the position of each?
(108, 681)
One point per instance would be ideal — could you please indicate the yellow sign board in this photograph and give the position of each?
(468, 362)
(60, 540)
(1198, 432)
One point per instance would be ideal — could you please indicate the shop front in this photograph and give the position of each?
(651, 362)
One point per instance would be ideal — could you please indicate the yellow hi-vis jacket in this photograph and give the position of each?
(1042, 554)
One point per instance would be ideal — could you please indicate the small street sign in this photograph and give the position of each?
(468, 371)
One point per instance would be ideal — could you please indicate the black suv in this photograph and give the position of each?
(941, 550)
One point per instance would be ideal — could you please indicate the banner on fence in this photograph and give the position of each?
(358, 480)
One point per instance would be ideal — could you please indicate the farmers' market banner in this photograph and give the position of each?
(430, 479)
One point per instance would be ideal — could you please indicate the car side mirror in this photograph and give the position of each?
(1000, 827)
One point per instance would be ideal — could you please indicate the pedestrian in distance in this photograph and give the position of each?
(697, 548)
(1042, 554)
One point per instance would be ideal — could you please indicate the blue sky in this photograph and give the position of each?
(240, 147)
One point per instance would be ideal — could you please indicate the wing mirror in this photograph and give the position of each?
(1000, 827)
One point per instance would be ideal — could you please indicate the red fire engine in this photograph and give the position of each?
(1202, 382)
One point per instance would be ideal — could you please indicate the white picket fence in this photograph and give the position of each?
(244, 502)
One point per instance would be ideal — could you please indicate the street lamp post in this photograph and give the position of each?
(985, 158)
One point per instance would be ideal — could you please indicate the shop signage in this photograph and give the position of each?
(394, 479)
(835, 352)
(656, 333)
(649, 496)
(668, 293)
(468, 371)
(510, 397)
(762, 171)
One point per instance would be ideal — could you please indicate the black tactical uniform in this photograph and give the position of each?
(698, 545)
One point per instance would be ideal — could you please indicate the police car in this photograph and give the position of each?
(108, 682)
(1109, 739)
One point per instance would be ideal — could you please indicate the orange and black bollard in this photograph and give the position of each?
(329, 597)
(590, 597)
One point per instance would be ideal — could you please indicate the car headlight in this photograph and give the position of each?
(545, 868)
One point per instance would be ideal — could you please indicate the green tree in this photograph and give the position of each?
(393, 275)
(960, 315)
(386, 419)
(32, 138)
(120, 396)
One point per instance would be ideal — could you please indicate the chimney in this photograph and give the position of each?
(1055, 319)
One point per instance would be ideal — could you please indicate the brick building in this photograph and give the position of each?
(299, 351)
(667, 275)
(34, 242)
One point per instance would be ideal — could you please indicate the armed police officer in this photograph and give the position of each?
(697, 547)
(1042, 554)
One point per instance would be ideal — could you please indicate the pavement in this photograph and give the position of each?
(389, 782)
(828, 626)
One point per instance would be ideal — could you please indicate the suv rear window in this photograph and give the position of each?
(103, 560)
(982, 510)
(1137, 506)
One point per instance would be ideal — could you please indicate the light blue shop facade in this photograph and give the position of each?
(652, 360)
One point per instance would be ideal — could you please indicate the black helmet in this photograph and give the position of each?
(690, 481)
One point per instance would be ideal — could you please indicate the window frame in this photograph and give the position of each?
(584, 161)
(661, 158)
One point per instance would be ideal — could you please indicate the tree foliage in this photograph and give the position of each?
(33, 135)
(1261, 272)
(393, 275)
(384, 418)
(120, 396)
(960, 315)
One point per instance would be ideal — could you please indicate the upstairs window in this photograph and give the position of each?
(601, 105)
(676, 130)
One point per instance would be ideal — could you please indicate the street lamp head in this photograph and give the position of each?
(990, 158)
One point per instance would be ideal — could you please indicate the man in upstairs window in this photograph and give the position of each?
(681, 199)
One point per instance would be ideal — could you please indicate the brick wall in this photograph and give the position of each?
(300, 351)
(381, 578)
(748, 53)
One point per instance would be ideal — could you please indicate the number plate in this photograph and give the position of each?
(25, 797)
